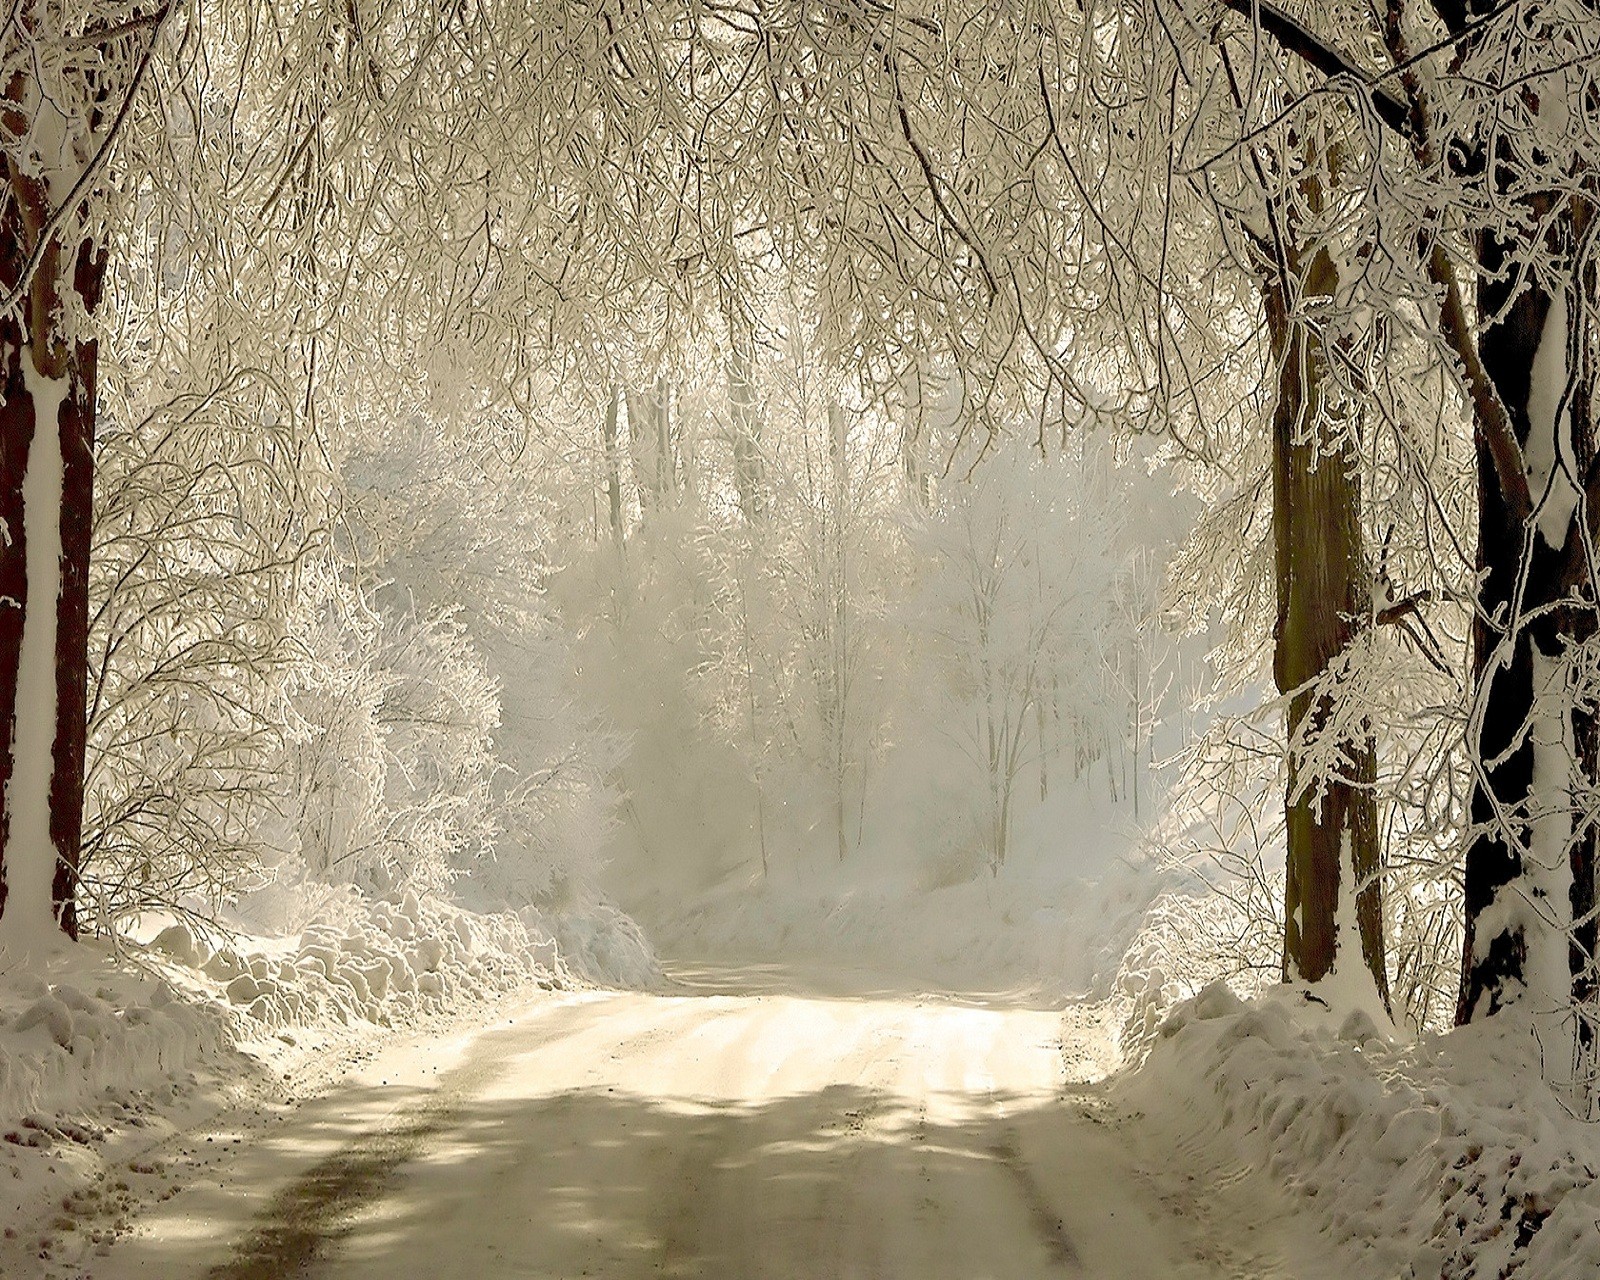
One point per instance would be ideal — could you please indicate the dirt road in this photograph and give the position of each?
(737, 1126)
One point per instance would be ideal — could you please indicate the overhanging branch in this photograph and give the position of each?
(1317, 53)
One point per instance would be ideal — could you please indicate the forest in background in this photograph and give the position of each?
(490, 433)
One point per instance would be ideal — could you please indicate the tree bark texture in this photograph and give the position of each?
(1322, 592)
(1532, 604)
(1536, 599)
(1537, 358)
(35, 352)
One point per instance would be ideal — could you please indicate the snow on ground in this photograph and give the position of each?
(126, 1077)
(1444, 1157)
(112, 1051)
(1449, 1158)
(1440, 1157)
(799, 1126)
(1060, 935)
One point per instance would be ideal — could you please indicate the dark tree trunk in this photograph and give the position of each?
(1586, 715)
(77, 426)
(35, 354)
(16, 435)
(1532, 605)
(1503, 779)
(1516, 629)
(1322, 594)
(1530, 610)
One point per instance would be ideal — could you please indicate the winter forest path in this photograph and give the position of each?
(734, 1126)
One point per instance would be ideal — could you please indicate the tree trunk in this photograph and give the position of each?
(919, 484)
(46, 504)
(839, 629)
(1529, 876)
(1332, 899)
(666, 441)
(649, 437)
(613, 457)
(1586, 719)
(1523, 848)
(747, 460)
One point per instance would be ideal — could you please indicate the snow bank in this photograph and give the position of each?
(1448, 1159)
(600, 944)
(1185, 942)
(137, 1018)
(89, 1025)
(387, 961)
(384, 962)
(111, 1050)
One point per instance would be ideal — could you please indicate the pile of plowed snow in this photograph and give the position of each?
(108, 1051)
(385, 965)
(1447, 1159)
(135, 1018)
(94, 1029)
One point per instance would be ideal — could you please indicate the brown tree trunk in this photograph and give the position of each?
(45, 374)
(1322, 594)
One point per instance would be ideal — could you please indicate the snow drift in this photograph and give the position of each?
(1447, 1159)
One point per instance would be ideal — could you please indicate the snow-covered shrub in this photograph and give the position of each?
(498, 777)
(334, 770)
(1220, 839)
(391, 958)
(438, 716)
(200, 521)
(1187, 941)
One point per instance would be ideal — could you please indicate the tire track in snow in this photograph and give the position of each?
(308, 1217)
(1052, 1229)
(721, 1217)
(761, 1137)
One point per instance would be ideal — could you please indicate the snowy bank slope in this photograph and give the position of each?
(110, 1051)
(95, 1027)
(103, 1019)
(1061, 934)
(1450, 1159)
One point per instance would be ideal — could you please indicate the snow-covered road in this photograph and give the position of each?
(738, 1126)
